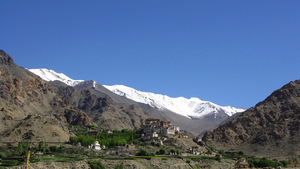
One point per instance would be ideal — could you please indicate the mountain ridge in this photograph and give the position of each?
(191, 108)
(271, 127)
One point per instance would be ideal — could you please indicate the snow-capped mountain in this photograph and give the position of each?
(192, 108)
(50, 75)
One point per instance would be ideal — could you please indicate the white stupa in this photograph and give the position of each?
(95, 146)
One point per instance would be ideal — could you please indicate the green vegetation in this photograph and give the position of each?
(121, 166)
(2, 155)
(96, 165)
(117, 138)
(143, 152)
(209, 151)
(174, 150)
(161, 151)
(264, 162)
(241, 153)
(23, 147)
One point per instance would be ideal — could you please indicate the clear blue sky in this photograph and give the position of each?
(229, 52)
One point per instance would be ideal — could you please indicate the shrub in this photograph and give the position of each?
(162, 151)
(121, 166)
(212, 148)
(53, 148)
(2, 155)
(241, 153)
(41, 145)
(143, 152)
(96, 165)
(174, 150)
(158, 144)
(188, 161)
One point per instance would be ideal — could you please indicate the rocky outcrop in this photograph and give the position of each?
(22, 93)
(270, 128)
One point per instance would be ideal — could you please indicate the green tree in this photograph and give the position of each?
(174, 150)
(209, 151)
(241, 153)
(162, 151)
(2, 155)
(143, 152)
(53, 148)
(41, 145)
(212, 148)
(96, 165)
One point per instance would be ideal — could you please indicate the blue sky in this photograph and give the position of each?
(229, 52)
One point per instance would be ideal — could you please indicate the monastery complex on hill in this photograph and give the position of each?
(153, 127)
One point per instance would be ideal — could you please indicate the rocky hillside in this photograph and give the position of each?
(271, 128)
(103, 110)
(22, 93)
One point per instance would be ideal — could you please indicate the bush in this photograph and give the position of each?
(212, 148)
(2, 155)
(188, 161)
(152, 143)
(53, 148)
(209, 151)
(158, 144)
(143, 152)
(121, 166)
(162, 151)
(47, 150)
(96, 165)
(241, 153)
(175, 151)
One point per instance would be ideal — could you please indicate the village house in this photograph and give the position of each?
(241, 163)
(195, 151)
(153, 127)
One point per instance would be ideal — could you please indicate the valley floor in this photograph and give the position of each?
(153, 163)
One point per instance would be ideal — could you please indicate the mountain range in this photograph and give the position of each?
(40, 110)
(191, 108)
(193, 115)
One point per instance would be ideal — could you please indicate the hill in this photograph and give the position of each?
(24, 95)
(270, 128)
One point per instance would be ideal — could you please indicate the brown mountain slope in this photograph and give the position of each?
(22, 93)
(103, 110)
(271, 128)
(195, 126)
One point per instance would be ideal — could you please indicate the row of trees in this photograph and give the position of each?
(116, 138)
(162, 151)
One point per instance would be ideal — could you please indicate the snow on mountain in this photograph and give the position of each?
(50, 75)
(191, 108)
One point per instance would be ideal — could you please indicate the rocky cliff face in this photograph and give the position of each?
(22, 93)
(103, 110)
(271, 128)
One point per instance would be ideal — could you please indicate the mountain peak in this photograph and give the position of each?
(5, 58)
(191, 108)
(50, 75)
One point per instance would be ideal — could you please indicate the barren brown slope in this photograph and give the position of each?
(22, 93)
(271, 128)
(103, 110)
(195, 126)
